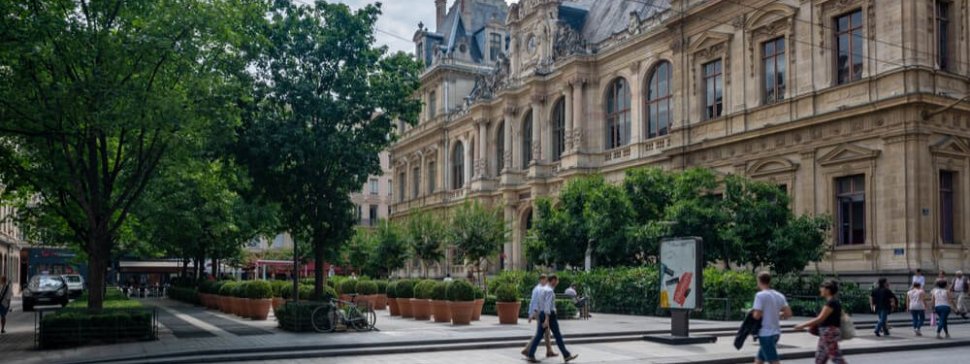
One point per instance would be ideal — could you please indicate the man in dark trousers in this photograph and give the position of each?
(882, 301)
(547, 320)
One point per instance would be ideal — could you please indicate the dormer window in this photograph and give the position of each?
(494, 46)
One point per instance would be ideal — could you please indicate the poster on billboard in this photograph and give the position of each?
(681, 269)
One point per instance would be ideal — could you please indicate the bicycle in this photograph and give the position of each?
(328, 317)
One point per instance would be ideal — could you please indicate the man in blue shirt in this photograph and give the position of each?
(770, 307)
(533, 314)
(547, 321)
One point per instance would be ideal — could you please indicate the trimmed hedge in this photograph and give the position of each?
(348, 287)
(564, 307)
(461, 291)
(440, 291)
(391, 289)
(366, 288)
(381, 286)
(506, 293)
(424, 289)
(258, 289)
(120, 320)
(182, 294)
(295, 316)
(404, 289)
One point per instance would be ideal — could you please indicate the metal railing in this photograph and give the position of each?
(67, 327)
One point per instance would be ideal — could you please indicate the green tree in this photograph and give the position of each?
(391, 252)
(95, 94)
(697, 210)
(359, 251)
(325, 105)
(477, 233)
(426, 234)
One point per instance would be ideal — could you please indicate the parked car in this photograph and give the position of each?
(75, 284)
(45, 289)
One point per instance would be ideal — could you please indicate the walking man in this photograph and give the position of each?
(919, 278)
(882, 301)
(960, 288)
(6, 293)
(533, 315)
(770, 307)
(548, 320)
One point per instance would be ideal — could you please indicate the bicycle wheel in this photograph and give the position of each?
(324, 318)
(365, 320)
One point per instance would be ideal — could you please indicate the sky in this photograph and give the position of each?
(400, 20)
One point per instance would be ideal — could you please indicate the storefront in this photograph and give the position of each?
(53, 261)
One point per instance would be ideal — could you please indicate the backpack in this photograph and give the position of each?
(847, 327)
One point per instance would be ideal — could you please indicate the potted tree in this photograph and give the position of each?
(479, 303)
(348, 289)
(421, 303)
(507, 304)
(238, 299)
(259, 299)
(405, 292)
(281, 291)
(439, 302)
(225, 296)
(461, 295)
(392, 299)
(366, 293)
(380, 299)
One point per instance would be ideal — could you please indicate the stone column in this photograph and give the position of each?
(578, 120)
(446, 166)
(481, 163)
(469, 158)
(537, 126)
(568, 106)
(512, 125)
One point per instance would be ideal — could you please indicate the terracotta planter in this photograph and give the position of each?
(277, 303)
(364, 301)
(421, 309)
(211, 301)
(392, 306)
(380, 301)
(259, 308)
(239, 307)
(477, 312)
(344, 297)
(404, 304)
(441, 311)
(508, 312)
(224, 304)
(203, 299)
(234, 306)
(461, 312)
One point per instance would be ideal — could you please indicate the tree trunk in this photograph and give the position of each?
(98, 256)
(318, 277)
(215, 267)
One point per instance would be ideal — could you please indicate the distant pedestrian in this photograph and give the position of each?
(448, 278)
(940, 277)
(770, 307)
(578, 300)
(960, 288)
(534, 315)
(941, 304)
(882, 301)
(548, 320)
(915, 299)
(919, 278)
(829, 324)
(6, 294)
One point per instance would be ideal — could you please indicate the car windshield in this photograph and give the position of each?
(73, 279)
(45, 283)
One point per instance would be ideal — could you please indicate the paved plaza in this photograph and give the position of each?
(191, 334)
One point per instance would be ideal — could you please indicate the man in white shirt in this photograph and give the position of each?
(770, 307)
(919, 278)
(548, 321)
(578, 301)
(959, 289)
(533, 314)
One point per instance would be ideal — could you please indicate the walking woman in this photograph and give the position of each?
(915, 298)
(829, 323)
(941, 303)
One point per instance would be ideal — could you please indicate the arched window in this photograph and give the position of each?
(500, 148)
(658, 101)
(558, 129)
(617, 114)
(527, 140)
(458, 167)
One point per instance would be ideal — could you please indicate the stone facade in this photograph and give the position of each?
(11, 242)
(373, 201)
(874, 136)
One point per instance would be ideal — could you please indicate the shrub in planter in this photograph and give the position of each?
(507, 304)
(295, 315)
(439, 302)
(421, 303)
(259, 296)
(184, 294)
(462, 297)
(75, 326)
(380, 299)
(367, 292)
(225, 296)
(390, 292)
(282, 290)
(405, 292)
(348, 288)
(239, 299)
(479, 303)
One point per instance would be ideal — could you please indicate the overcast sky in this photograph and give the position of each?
(400, 20)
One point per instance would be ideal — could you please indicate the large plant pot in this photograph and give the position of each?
(441, 311)
(421, 309)
(277, 303)
(211, 301)
(380, 301)
(393, 307)
(239, 306)
(477, 312)
(508, 312)
(461, 312)
(404, 304)
(259, 308)
(224, 304)
(344, 297)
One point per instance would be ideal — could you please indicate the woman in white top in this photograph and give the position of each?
(941, 302)
(915, 298)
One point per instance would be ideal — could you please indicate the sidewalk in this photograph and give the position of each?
(188, 329)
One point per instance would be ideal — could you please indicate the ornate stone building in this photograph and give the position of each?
(853, 106)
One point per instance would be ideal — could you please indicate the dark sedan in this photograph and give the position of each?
(45, 290)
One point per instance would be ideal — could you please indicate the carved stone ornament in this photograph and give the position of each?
(486, 86)
(567, 41)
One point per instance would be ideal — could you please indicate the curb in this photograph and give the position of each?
(803, 354)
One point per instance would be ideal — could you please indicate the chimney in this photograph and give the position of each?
(440, 13)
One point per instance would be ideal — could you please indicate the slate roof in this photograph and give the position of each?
(456, 28)
(598, 20)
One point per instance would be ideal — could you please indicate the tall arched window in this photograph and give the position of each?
(527, 140)
(617, 114)
(458, 167)
(500, 148)
(658, 101)
(558, 129)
